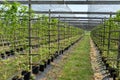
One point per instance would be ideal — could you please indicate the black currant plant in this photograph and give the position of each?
(14, 30)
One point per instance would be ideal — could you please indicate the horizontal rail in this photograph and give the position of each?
(66, 12)
(66, 2)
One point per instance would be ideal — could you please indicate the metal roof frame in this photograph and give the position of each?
(62, 17)
(78, 12)
(67, 2)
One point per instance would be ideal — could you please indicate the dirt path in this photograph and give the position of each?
(95, 66)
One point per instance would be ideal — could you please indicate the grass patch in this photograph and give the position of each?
(77, 66)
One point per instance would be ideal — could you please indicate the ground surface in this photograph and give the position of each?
(74, 64)
(80, 62)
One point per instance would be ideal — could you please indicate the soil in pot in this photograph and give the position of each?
(26, 75)
(35, 69)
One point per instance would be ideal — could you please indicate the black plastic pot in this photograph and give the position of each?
(37, 46)
(48, 61)
(17, 49)
(21, 49)
(35, 69)
(12, 52)
(61, 51)
(2, 55)
(26, 75)
(100, 51)
(104, 59)
(113, 72)
(52, 59)
(7, 53)
(45, 64)
(55, 56)
(107, 66)
(8, 43)
(41, 68)
(67, 48)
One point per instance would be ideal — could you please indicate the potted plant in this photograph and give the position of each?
(41, 66)
(35, 69)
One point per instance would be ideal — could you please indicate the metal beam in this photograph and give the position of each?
(80, 18)
(65, 12)
(83, 23)
(65, 2)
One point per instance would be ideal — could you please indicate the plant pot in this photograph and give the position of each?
(100, 51)
(69, 46)
(56, 55)
(7, 53)
(113, 73)
(12, 52)
(107, 66)
(52, 59)
(2, 55)
(61, 51)
(45, 64)
(17, 49)
(48, 61)
(8, 43)
(35, 69)
(104, 59)
(72, 43)
(66, 48)
(26, 75)
(37, 46)
(21, 49)
(41, 68)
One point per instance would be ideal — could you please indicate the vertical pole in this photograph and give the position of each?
(29, 32)
(49, 27)
(58, 29)
(69, 32)
(64, 34)
(104, 32)
(118, 56)
(109, 36)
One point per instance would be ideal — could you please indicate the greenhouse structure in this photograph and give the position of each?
(59, 39)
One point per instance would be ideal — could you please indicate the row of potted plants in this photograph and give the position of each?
(106, 38)
(48, 40)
